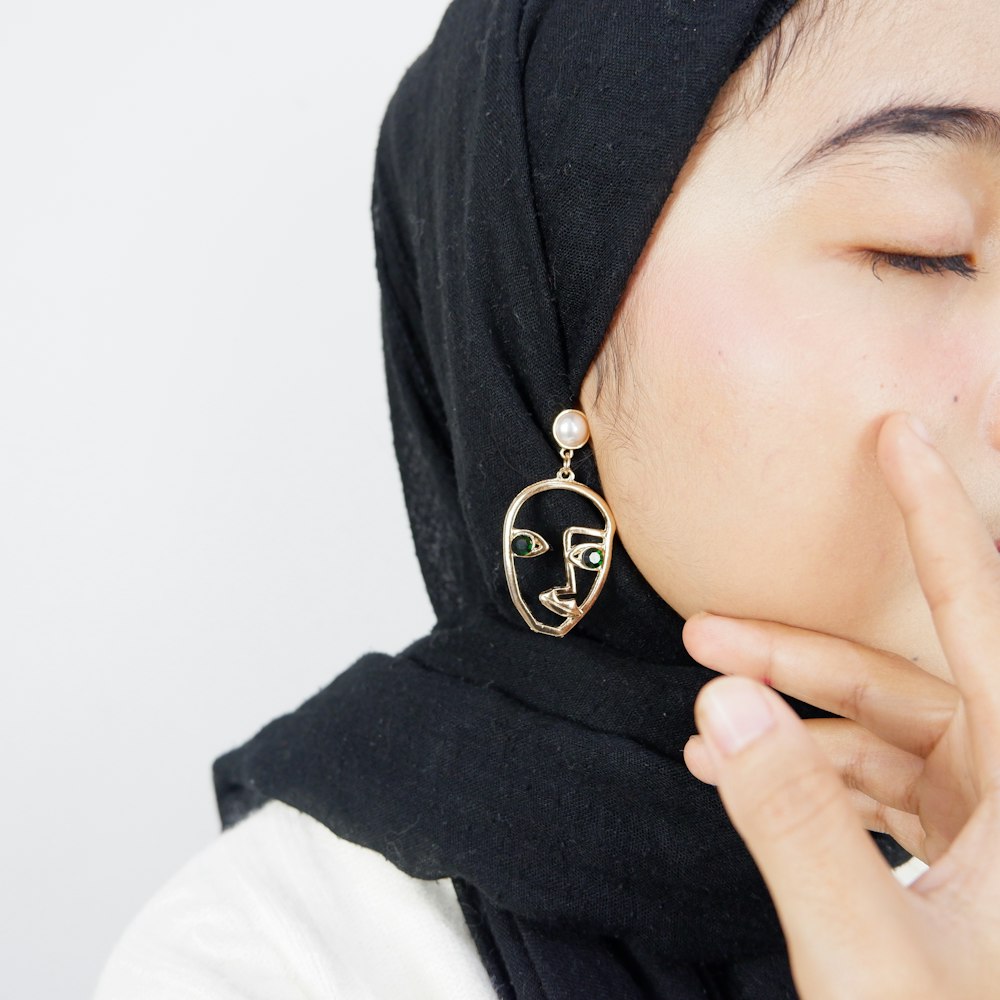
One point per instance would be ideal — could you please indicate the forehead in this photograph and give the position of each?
(858, 57)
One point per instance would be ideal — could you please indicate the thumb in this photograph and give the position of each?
(835, 894)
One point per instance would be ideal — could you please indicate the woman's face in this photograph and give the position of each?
(767, 352)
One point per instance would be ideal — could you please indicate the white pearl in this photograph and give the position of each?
(570, 429)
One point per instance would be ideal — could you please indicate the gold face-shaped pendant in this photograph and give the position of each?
(586, 553)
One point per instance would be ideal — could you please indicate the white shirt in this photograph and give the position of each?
(280, 908)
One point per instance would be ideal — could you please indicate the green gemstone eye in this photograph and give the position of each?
(588, 556)
(522, 545)
(527, 544)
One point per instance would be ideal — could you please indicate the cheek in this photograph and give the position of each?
(725, 368)
(758, 496)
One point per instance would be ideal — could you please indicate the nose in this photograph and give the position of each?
(558, 600)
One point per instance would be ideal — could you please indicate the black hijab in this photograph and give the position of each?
(521, 165)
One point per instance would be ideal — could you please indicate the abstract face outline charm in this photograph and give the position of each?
(586, 550)
(586, 559)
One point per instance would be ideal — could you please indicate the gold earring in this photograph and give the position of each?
(571, 432)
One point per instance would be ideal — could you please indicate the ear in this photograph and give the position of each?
(590, 385)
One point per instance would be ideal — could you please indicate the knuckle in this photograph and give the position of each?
(799, 802)
(934, 721)
(875, 770)
(856, 696)
(909, 796)
(856, 766)
(956, 585)
(777, 656)
(880, 818)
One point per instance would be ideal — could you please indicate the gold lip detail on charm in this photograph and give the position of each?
(550, 598)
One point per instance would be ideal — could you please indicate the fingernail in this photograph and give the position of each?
(919, 428)
(735, 713)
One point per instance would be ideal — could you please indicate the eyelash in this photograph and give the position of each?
(923, 265)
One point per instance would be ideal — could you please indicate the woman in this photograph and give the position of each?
(687, 238)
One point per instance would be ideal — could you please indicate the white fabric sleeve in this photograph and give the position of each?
(280, 908)
(910, 871)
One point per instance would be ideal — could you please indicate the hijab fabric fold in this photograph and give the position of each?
(521, 165)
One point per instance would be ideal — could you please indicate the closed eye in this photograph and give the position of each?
(919, 264)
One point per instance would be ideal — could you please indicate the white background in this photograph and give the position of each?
(198, 493)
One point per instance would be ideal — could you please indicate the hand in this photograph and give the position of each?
(906, 772)
(899, 749)
(853, 930)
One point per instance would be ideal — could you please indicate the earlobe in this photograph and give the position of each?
(588, 387)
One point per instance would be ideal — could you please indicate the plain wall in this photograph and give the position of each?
(199, 500)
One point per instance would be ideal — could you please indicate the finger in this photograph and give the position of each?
(869, 764)
(798, 821)
(958, 568)
(698, 761)
(905, 828)
(878, 689)
(877, 815)
(862, 760)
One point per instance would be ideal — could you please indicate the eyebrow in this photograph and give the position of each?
(964, 126)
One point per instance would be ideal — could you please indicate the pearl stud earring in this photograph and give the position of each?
(570, 429)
